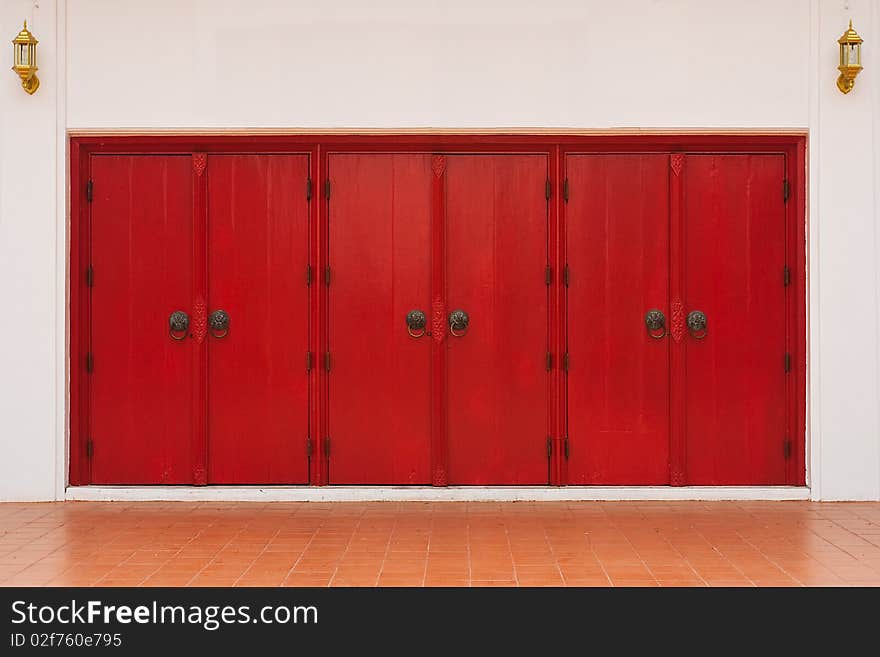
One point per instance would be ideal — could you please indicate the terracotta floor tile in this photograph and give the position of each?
(493, 582)
(441, 544)
(586, 581)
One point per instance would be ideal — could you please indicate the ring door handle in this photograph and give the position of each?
(415, 323)
(178, 325)
(697, 324)
(218, 323)
(655, 321)
(458, 323)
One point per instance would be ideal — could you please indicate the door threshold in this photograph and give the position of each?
(429, 493)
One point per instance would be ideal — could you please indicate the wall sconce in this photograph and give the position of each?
(850, 59)
(24, 59)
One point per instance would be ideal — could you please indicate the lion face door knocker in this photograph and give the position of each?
(218, 324)
(416, 321)
(178, 325)
(697, 324)
(458, 323)
(655, 321)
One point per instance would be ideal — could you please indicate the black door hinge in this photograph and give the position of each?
(90, 363)
(308, 361)
(549, 447)
(90, 276)
(549, 361)
(327, 361)
(327, 447)
(565, 362)
(90, 190)
(786, 276)
(788, 362)
(786, 448)
(565, 190)
(308, 275)
(327, 189)
(786, 191)
(548, 188)
(327, 275)
(565, 276)
(308, 189)
(90, 448)
(565, 447)
(309, 446)
(548, 275)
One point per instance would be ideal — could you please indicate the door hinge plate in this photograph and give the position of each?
(786, 448)
(565, 190)
(786, 190)
(327, 446)
(327, 275)
(548, 275)
(565, 447)
(565, 362)
(308, 275)
(90, 363)
(308, 189)
(309, 447)
(90, 276)
(565, 276)
(788, 363)
(548, 188)
(786, 276)
(308, 361)
(327, 189)
(90, 189)
(90, 448)
(327, 361)
(549, 361)
(549, 447)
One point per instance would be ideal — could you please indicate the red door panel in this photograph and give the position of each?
(497, 382)
(617, 222)
(734, 234)
(379, 402)
(258, 232)
(141, 383)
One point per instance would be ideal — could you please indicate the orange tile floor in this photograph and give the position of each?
(440, 544)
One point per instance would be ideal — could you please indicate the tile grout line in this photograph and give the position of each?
(254, 560)
(299, 558)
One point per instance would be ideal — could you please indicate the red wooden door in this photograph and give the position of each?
(497, 385)
(617, 222)
(258, 396)
(734, 255)
(379, 383)
(141, 410)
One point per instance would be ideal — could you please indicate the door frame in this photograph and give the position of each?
(555, 144)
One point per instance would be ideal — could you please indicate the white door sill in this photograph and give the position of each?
(429, 493)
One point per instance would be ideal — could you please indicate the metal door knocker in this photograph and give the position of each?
(178, 325)
(218, 323)
(458, 323)
(415, 323)
(697, 324)
(655, 320)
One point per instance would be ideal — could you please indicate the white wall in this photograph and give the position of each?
(212, 64)
(31, 366)
(405, 63)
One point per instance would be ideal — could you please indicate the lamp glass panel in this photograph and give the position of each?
(32, 52)
(21, 55)
(854, 54)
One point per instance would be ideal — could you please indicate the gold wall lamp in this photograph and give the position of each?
(24, 59)
(850, 59)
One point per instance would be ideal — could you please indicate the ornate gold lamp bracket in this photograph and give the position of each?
(850, 59)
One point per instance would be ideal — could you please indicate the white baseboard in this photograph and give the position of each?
(428, 493)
